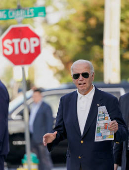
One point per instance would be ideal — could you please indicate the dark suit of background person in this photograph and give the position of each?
(43, 122)
(83, 152)
(121, 150)
(4, 141)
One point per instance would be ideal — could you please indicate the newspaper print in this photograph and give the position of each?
(102, 133)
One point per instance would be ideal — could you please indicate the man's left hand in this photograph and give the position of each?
(113, 126)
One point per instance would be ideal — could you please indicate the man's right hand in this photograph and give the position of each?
(49, 137)
(115, 166)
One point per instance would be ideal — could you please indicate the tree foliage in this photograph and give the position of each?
(12, 4)
(79, 35)
(124, 39)
(8, 74)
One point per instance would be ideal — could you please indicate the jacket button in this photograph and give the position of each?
(79, 157)
(117, 143)
(81, 141)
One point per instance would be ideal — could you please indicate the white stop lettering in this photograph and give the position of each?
(24, 45)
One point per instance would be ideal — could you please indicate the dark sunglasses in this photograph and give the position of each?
(77, 75)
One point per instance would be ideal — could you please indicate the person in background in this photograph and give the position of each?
(76, 122)
(121, 150)
(4, 139)
(40, 122)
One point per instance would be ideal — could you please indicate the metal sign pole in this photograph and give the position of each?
(24, 13)
(26, 113)
(26, 120)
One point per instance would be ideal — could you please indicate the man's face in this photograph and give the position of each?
(84, 85)
(37, 97)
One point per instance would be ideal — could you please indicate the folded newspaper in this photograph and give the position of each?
(102, 133)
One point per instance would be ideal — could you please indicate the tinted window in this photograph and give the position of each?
(53, 101)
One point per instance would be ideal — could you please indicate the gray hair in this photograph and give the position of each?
(83, 61)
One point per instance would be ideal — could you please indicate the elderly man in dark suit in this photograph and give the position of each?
(76, 121)
(4, 141)
(121, 150)
(41, 122)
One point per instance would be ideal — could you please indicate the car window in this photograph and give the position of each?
(19, 101)
(117, 92)
(53, 101)
(18, 111)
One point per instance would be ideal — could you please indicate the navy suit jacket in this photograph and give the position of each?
(43, 122)
(121, 148)
(4, 103)
(83, 150)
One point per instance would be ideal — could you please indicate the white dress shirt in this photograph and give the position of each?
(83, 107)
(34, 110)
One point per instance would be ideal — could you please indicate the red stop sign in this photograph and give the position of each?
(20, 44)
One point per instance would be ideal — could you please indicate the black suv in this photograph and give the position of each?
(17, 127)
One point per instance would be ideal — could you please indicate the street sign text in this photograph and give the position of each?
(22, 13)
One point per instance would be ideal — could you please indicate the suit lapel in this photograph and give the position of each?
(96, 102)
(73, 112)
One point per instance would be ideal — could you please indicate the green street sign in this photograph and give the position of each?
(22, 13)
